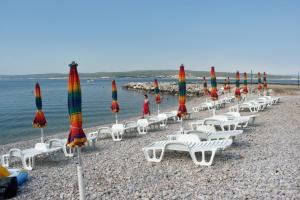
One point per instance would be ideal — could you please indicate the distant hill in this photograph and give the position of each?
(141, 73)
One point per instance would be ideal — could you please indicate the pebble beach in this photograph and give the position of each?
(262, 163)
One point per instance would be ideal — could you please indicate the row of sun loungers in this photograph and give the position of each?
(206, 137)
(203, 140)
(211, 105)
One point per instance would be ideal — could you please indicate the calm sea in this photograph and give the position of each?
(17, 105)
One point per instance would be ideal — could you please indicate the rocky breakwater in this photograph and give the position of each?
(170, 88)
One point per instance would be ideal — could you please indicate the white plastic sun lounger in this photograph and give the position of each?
(27, 156)
(218, 121)
(203, 106)
(117, 130)
(205, 135)
(244, 120)
(253, 107)
(188, 143)
(144, 124)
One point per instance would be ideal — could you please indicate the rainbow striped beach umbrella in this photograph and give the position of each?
(228, 84)
(114, 104)
(265, 82)
(259, 87)
(76, 136)
(39, 119)
(214, 90)
(245, 89)
(237, 92)
(157, 95)
(205, 89)
(213, 80)
(225, 85)
(182, 93)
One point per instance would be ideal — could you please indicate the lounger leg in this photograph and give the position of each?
(5, 160)
(28, 163)
(154, 157)
(203, 161)
(116, 136)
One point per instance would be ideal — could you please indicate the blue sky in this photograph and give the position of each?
(45, 36)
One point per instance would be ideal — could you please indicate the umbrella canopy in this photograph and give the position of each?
(265, 81)
(114, 104)
(156, 91)
(76, 135)
(228, 84)
(213, 79)
(205, 90)
(245, 89)
(182, 93)
(225, 85)
(237, 92)
(39, 120)
(259, 87)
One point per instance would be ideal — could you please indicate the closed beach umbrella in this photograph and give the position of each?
(76, 137)
(182, 95)
(157, 95)
(237, 92)
(228, 84)
(39, 120)
(225, 85)
(205, 89)
(214, 91)
(114, 104)
(259, 86)
(245, 89)
(265, 83)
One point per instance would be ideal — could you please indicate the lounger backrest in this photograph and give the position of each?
(206, 128)
(41, 147)
(212, 122)
(117, 127)
(201, 134)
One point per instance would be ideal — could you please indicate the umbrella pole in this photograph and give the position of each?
(238, 106)
(42, 135)
(116, 118)
(80, 176)
(181, 123)
(214, 110)
(157, 109)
